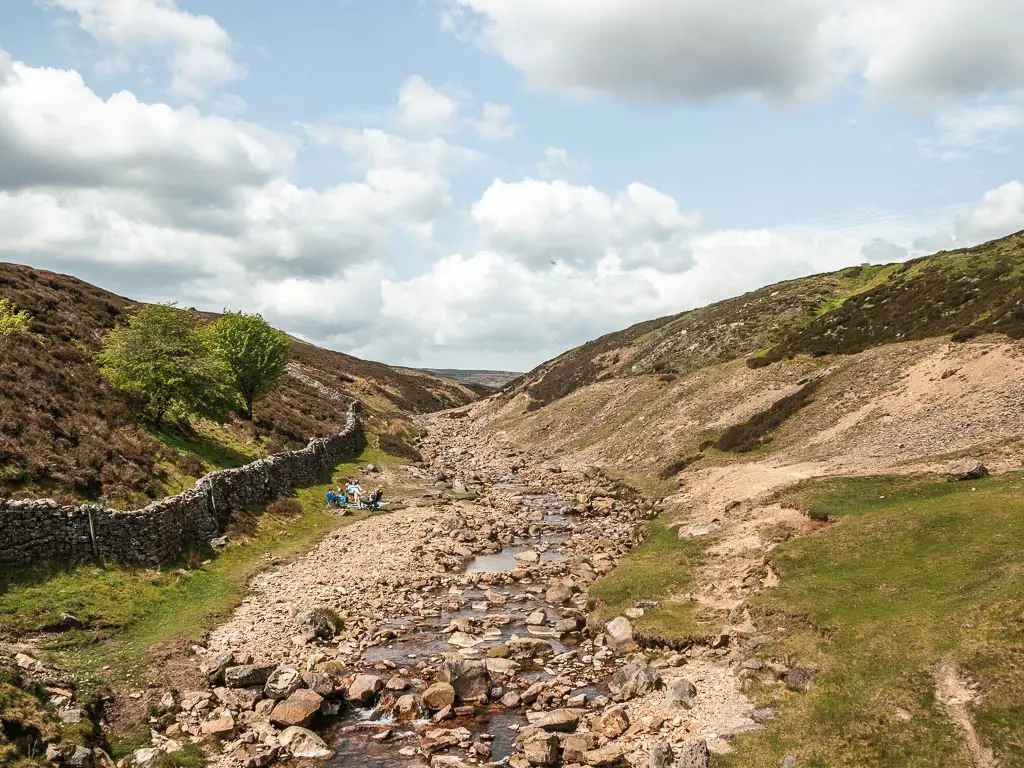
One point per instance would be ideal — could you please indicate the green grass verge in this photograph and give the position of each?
(129, 610)
(661, 568)
(913, 572)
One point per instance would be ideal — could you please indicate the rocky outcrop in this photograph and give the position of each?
(157, 534)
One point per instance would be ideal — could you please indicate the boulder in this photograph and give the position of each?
(661, 756)
(303, 743)
(620, 634)
(965, 469)
(694, 756)
(438, 696)
(576, 745)
(297, 709)
(364, 689)
(216, 665)
(798, 679)
(608, 756)
(468, 677)
(559, 721)
(614, 722)
(283, 682)
(632, 680)
(248, 675)
(542, 749)
(680, 694)
(407, 706)
(313, 624)
(558, 593)
(144, 758)
(252, 755)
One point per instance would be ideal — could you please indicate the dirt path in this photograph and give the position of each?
(954, 695)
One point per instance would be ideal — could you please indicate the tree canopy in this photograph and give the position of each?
(165, 359)
(12, 320)
(254, 352)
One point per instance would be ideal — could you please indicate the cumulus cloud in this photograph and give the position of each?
(1000, 212)
(785, 51)
(494, 123)
(539, 223)
(200, 49)
(423, 107)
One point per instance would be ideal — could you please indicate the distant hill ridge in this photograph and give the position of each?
(489, 379)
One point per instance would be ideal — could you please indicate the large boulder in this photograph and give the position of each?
(694, 756)
(303, 743)
(560, 720)
(364, 689)
(438, 696)
(633, 680)
(680, 694)
(965, 469)
(297, 709)
(542, 749)
(283, 682)
(468, 677)
(608, 756)
(558, 593)
(620, 634)
(614, 722)
(248, 675)
(661, 755)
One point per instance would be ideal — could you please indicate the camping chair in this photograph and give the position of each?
(373, 500)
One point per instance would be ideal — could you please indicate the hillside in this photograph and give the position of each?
(63, 431)
(797, 441)
(965, 292)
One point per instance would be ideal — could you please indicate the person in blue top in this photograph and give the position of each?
(354, 491)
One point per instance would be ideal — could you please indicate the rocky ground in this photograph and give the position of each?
(454, 631)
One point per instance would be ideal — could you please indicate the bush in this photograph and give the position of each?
(284, 507)
(678, 466)
(756, 431)
(396, 445)
(190, 465)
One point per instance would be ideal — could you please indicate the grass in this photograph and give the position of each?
(128, 610)
(661, 568)
(914, 571)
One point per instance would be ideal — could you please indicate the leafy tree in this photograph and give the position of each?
(13, 321)
(254, 352)
(163, 357)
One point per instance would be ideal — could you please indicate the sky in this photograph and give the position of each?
(488, 183)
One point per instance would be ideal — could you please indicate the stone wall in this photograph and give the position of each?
(157, 534)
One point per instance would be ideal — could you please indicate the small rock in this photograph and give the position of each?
(303, 743)
(799, 679)
(364, 688)
(614, 722)
(620, 634)
(297, 709)
(965, 469)
(283, 682)
(680, 694)
(438, 696)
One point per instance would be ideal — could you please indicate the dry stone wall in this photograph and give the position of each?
(158, 533)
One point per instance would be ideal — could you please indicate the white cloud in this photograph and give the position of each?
(199, 47)
(1000, 212)
(557, 163)
(975, 127)
(786, 50)
(423, 107)
(494, 122)
(539, 222)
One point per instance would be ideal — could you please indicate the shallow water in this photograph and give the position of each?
(505, 560)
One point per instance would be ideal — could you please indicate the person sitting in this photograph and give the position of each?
(373, 500)
(332, 500)
(354, 492)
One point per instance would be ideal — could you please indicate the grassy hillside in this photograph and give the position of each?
(964, 293)
(63, 431)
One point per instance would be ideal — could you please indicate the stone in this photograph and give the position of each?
(503, 667)
(146, 757)
(694, 756)
(661, 755)
(301, 742)
(614, 722)
(576, 745)
(438, 696)
(298, 709)
(620, 634)
(527, 556)
(314, 624)
(467, 676)
(763, 716)
(71, 715)
(788, 762)
(965, 469)
(633, 680)
(364, 689)
(542, 749)
(248, 675)
(604, 757)
(397, 684)
(558, 593)
(407, 706)
(283, 682)
(798, 679)
(559, 721)
(80, 757)
(252, 755)
(511, 700)
(217, 664)
(222, 726)
(680, 694)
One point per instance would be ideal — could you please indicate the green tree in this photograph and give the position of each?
(13, 321)
(255, 353)
(163, 358)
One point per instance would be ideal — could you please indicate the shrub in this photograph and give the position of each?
(284, 507)
(756, 431)
(191, 465)
(12, 320)
(396, 445)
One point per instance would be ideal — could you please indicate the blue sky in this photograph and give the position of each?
(485, 183)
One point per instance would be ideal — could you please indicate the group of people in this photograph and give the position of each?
(353, 494)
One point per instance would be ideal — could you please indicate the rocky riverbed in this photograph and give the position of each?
(454, 632)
